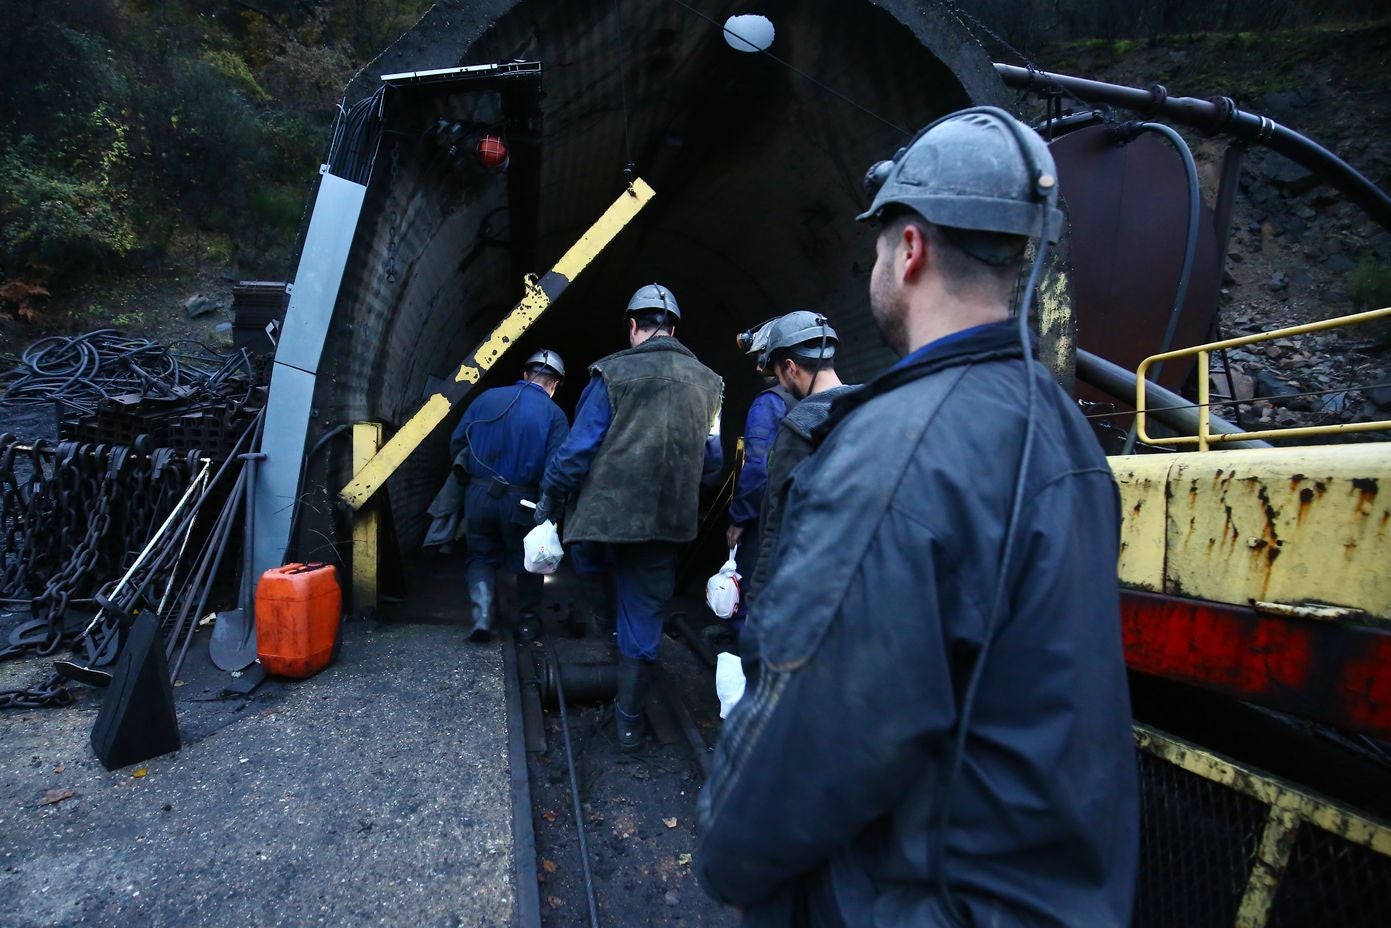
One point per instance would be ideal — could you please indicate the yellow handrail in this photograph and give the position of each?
(1205, 435)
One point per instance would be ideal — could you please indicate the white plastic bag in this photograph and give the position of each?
(722, 589)
(729, 681)
(541, 549)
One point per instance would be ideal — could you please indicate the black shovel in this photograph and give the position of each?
(233, 644)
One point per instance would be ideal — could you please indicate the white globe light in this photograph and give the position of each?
(748, 33)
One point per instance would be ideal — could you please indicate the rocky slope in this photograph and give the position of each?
(1298, 251)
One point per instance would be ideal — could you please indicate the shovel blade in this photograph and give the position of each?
(233, 644)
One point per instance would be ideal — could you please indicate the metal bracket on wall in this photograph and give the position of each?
(540, 294)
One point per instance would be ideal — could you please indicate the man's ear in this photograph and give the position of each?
(913, 245)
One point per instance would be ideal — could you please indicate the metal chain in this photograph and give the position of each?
(394, 229)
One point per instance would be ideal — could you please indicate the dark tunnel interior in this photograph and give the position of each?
(757, 170)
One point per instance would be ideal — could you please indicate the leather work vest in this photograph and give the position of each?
(644, 484)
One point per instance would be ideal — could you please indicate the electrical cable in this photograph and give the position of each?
(629, 166)
(575, 796)
(795, 70)
(1011, 532)
(1190, 249)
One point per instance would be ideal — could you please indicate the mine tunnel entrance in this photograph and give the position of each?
(757, 165)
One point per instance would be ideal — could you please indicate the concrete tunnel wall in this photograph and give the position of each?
(757, 171)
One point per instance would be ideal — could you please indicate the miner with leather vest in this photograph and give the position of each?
(500, 449)
(628, 481)
(940, 729)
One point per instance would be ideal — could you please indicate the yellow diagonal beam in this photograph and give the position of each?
(538, 298)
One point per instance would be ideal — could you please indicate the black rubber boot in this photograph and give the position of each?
(634, 679)
(482, 596)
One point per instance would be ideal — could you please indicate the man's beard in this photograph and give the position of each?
(890, 312)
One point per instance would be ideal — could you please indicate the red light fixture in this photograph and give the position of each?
(491, 151)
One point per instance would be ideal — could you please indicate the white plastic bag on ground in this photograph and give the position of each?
(729, 681)
(722, 589)
(541, 549)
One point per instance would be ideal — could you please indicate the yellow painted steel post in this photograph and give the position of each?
(1204, 409)
(1272, 857)
(368, 478)
(367, 441)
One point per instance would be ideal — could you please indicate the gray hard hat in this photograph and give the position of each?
(803, 333)
(548, 361)
(979, 168)
(654, 296)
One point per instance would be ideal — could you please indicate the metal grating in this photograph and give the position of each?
(1197, 841)
(1223, 845)
(1331, 881)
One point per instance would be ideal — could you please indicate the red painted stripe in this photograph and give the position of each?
(1332, 672)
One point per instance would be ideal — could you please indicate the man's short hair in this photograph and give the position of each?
(970, 259)
(654, 319)
(541, 374)
(806, 360)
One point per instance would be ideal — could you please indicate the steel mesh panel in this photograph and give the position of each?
(1331, 881)
(1197, 842)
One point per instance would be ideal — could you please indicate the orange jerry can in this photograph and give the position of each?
(298, 608)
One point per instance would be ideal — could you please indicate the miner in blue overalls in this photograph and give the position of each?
(760, 427)
(646, 438)
(500, 449)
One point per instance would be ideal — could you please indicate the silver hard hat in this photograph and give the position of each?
(803, 333)
(979, 168)
(654, 296)
(548, 361)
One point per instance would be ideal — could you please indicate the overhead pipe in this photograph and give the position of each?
(1168, 407)
(1218, 115)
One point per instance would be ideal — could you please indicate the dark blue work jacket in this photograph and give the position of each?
(765, 412)
(509, 432)
(831, 777)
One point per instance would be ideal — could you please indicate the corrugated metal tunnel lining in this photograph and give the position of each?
(758, 173)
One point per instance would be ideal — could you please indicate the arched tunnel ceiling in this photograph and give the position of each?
(757, 171)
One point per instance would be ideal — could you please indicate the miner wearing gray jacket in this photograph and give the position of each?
(645, 440)
(940, 730)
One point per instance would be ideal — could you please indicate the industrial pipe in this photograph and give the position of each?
(1173, 410)
(1218, 115)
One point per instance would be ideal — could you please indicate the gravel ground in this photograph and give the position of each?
(374, 793)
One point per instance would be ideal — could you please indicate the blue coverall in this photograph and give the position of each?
(760, 428)
(508, 432)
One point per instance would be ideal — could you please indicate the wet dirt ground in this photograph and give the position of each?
(638, 809)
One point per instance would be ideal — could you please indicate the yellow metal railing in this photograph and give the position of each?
(1205, 435)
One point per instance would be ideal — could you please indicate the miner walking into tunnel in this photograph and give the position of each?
(760, 426)
(940, 729)
(646, 439)
(500, 449)
(800, 352)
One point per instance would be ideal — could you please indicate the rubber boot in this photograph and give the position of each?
(481, 592)
(634, 679)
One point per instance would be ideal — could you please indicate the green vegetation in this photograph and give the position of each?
(131, 127)
(1243, 65)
